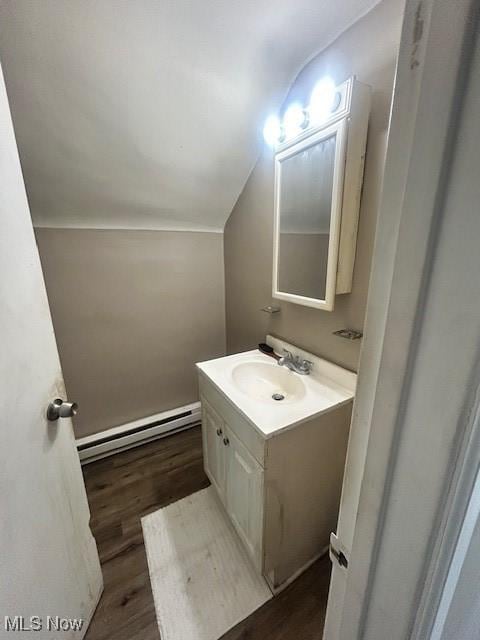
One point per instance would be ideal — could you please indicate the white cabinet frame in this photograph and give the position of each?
(339, 130)
(351, 121)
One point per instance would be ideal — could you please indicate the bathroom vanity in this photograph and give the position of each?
(277, 464)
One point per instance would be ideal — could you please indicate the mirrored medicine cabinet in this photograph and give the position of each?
(318, 181)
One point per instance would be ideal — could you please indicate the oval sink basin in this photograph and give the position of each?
(268, 382)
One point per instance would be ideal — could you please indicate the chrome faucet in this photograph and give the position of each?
(295, 363)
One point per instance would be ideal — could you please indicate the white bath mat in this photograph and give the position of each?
(203, 582)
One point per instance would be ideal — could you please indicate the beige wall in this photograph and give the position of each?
(133, 311)
(368, 49)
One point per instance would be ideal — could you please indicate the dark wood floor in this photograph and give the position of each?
(123, 488)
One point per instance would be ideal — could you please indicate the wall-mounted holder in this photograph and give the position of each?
(349, 334)
(271, 309)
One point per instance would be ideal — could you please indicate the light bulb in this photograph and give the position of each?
(321, 100)
(272, 130)
(294, 120)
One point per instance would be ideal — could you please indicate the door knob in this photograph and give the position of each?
(61, 409)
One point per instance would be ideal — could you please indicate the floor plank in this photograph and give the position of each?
(125, 487)
(297, 613)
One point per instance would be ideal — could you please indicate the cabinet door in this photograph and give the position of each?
(214, 453)
(244, 495)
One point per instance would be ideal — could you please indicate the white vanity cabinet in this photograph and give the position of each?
(237, 477)
(281, 491)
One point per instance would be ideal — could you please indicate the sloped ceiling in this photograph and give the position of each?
(148, 113)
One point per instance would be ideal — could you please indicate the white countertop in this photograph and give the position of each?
(328, 386)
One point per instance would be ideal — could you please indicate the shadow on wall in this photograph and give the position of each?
(368, 50)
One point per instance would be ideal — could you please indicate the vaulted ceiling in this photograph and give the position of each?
(148, 113)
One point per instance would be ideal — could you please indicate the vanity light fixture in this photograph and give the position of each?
(323, 101)
(272, 130)
(294, 120)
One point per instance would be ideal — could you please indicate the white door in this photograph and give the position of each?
(245, 495)
(418, 398)
(48, 558)
(213, 448)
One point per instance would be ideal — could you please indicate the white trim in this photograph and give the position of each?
(110, 441)
(80, 227)
(461, 505)
(360, 105)
(459, 557)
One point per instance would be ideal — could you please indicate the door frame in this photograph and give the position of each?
(434, 64)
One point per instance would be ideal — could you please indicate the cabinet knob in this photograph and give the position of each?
(219, 432)
(226, 441)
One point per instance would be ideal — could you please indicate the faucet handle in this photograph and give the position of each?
(306, 365)
(286, 358)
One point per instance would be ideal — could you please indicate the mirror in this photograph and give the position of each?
(306, 196)
(309, 187)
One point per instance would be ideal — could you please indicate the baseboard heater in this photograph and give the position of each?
(132, 434)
